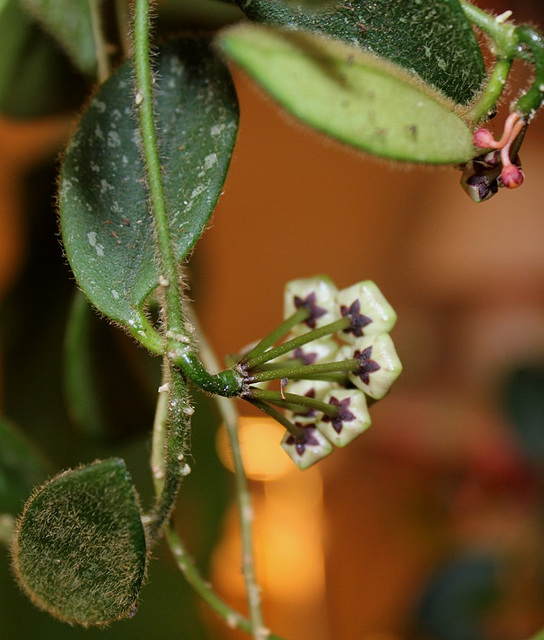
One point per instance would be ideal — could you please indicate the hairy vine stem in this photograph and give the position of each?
(510, 42)
(179, 348)
(193, 576)
(245, 510)
(170, 432)
(144, 101)
(178, 334)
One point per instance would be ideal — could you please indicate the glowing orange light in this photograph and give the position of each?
(288, 532)
(263, 457)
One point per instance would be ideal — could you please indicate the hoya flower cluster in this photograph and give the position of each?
(330, 355)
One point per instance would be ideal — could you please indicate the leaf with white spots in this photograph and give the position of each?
(106, 224)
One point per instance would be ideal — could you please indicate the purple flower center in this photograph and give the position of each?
(310, 303)
(366, 365)
(306, 358)
(343, 415)
(357, 319)
(306, 439)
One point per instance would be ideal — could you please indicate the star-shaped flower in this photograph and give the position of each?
(352, 419)
(343, 415)
(357, 319)
(366, 365)
(304, 356)
(378, 364)
(307, 439)
(310, 303)
(308, 448)
(317, 295)
(369, 312)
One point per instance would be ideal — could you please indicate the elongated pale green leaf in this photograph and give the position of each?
(431, 38)
(21, 468)
(83, 399)
(106, 225)
(351, 95)
(80, 550)
(36, 78)
(70, 24)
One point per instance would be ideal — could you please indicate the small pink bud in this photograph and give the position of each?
(483, 139)
(512, 177)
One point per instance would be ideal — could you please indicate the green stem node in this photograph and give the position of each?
(226, 383)
(495, 86)
(529, 103)
(501, 32)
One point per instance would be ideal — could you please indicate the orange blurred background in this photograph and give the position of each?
(466, 281)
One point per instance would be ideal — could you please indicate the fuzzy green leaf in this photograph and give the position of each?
(431, 38)
(352, 95)
(80, 550)
(21, 468)
(70, 24)
(106, 225)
